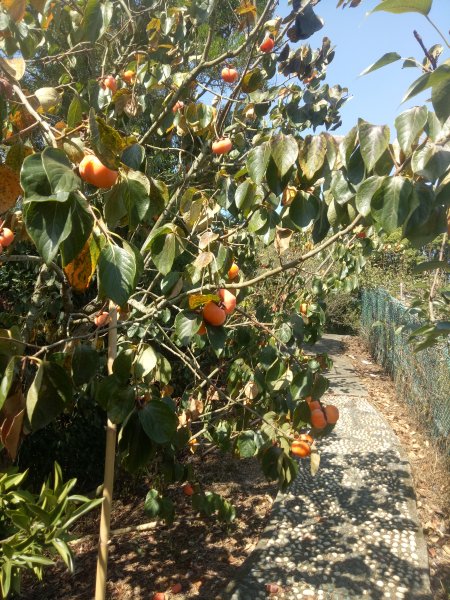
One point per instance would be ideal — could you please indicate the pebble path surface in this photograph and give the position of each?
(352, 531)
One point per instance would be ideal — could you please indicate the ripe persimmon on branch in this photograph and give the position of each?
(169, 164)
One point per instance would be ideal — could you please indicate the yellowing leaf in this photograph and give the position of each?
(48, 97)
(197, 300)
(16, 155)
(15, 9)
(247, 14)
(207, 238)
(14, 67)
(203, 260)
(11, 421)
(10, 188)
(80, 271)
(282, 239)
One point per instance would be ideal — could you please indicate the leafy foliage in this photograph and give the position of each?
(163, 224)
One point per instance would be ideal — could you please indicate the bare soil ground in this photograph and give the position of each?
(200, 553)
(430, 466)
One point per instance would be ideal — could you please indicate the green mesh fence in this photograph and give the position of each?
(422, 380)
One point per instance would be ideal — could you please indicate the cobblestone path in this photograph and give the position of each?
(351, 531)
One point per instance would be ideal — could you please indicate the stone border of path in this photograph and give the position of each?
(352, 531)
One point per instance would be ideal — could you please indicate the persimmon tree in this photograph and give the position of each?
(140, 181)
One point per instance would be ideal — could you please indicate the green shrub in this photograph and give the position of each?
(34, 527)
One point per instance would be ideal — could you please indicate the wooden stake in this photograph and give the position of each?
(108, 484)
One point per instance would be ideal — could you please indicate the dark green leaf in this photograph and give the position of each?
(187, 324)
(391, 204)
(312, 154)
(85, 362)
(158, 421)
(92, 21)
(48, 224)
(284, 151)
(77, 107)
(133, 156)
(49, 393)
(245, 196)
(246, 444)
(431, 265)
(303, 210)
(117, 271)
(82, 224)
(440, 97)
(33, 179)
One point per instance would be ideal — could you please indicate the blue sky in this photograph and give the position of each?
(360, 40)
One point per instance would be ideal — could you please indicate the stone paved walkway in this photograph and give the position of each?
(351, 531)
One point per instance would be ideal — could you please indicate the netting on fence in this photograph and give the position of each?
(422, 380)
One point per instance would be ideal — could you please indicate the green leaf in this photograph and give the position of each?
(158, 421)
(321, 225)
(312, 154)
(347, 145)
(373, 141)
(245, 196)
(386, 59)
(159, 196)
(431, 265)
(133, 156)
(427, 221)
(391, 203)
(121, 403)
(164, 251)
(7, 379)
(157, 506)
(134, 445)
(85, 362)
(440, 96)
(284, 151)
(417, 86)
(303, 210)
(430, 161)
(253, 80)
(49, 393)
(122, 365)
(146, 361)
(33, 179)
(117, 271)
(340, 188)
(115, 209)
(187, 324)
(82, 223)
(106, 141)
(404, 6)
(92, 23)
(366, 192)
(217, 338)
(135, 193)
(77, 107)
(257, 162)
(48, 224)
(59, 173)
(410, 125)
(246, 444)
